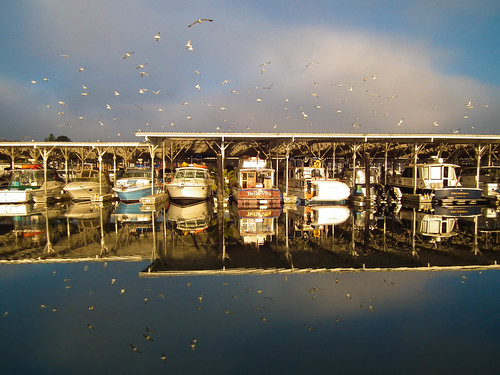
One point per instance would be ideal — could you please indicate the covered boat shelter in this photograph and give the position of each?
(358, 150)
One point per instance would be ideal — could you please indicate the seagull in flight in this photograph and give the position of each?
(200, 21)
(189, 46)
(157, 36)
(128, 54)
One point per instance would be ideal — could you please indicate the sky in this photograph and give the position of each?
(339, 66)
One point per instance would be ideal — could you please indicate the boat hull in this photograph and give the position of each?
(189, 193)
(457, 196)
(324, 192)
(80, 191)
(256, 197)
(16, 196)
(131, 194)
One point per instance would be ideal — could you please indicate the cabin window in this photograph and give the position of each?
(200, 174)
(407, 172)
(435, 173)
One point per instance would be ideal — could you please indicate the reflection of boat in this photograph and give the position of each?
(435, 227)
(489, 179)
(83, 211)
(28, 220)
(192, 218)
(437, 180)
(130, 213)
(27, 184)
(324, 215)
(88, 185)
(133, 185)
(257, 225)
(309, 184)
(190, 183)
(255, 186)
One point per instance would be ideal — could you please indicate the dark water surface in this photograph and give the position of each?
(114, 289)
(72, 318)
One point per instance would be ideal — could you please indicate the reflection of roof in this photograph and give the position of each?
(148, 272)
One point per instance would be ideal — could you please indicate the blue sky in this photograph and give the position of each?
(282, 66)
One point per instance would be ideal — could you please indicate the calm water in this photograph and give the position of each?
(106, 315)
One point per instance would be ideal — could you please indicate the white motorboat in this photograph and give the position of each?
(135, 184)
(436, 180)
(310, 185)
(27, 184)
(88, 185)
(191, 183)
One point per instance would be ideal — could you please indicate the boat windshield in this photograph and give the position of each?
(137, 174)
(189, 174)
(27, 178)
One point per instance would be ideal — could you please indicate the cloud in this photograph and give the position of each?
(372, 80)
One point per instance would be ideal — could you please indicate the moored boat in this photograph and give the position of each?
(310, 185)
(135, 184)
(255, 185)
(489, 179)
(88, 185)
(436, 181)
(191, 183)
(28, 184)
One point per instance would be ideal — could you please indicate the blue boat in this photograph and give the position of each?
(135, 184)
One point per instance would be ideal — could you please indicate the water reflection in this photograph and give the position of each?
(285, 290)
(293, 237)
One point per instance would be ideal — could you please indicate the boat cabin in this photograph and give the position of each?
(253, 173)
(428, 176)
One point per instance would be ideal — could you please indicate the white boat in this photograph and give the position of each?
(310, 185)
(88, 185)
(135, 184)
(436, 180)
(255, 185)
(191, 183)
(489, 179)
(27, 184)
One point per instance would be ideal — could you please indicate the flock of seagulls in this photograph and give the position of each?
(228, 116)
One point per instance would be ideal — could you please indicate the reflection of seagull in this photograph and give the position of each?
(200, 21)
(157, 36)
